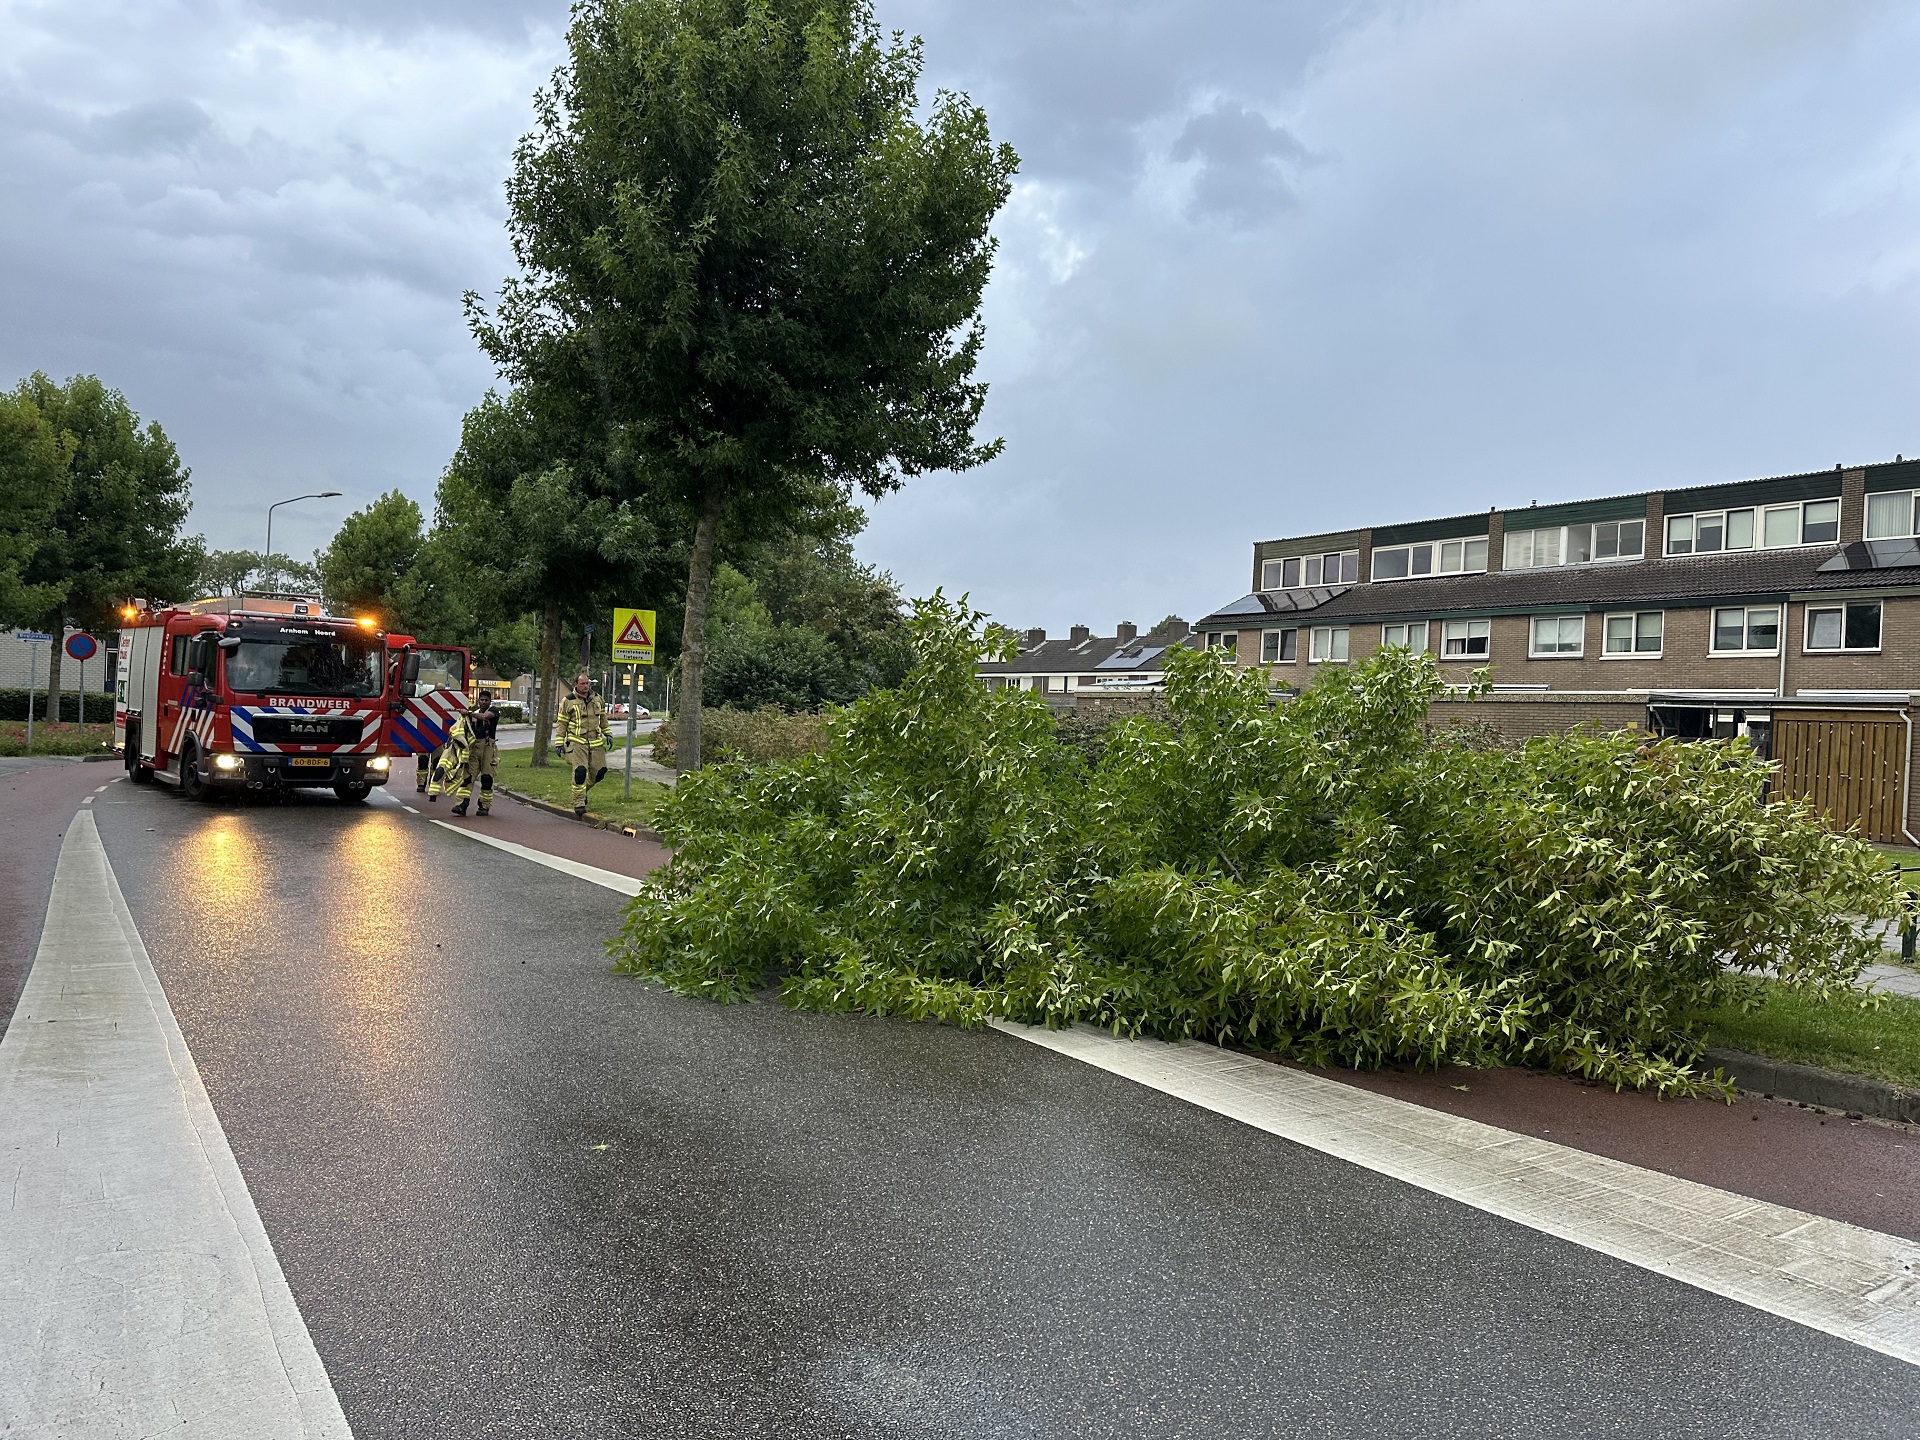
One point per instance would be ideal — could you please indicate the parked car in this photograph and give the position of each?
(618, 711)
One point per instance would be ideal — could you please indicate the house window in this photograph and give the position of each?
(1227, 640)
(1279, 647)
(1465, 639)
(1411, 636)
(1746, 629)
(1559, 635)
(1642, 633)
(1338, 567)
(1289, 574)
(1443, 557)
(1329, 644)
(1813, 522)
(1844, 627)
(1270, 574)
(1891, 514)
(1603, 541)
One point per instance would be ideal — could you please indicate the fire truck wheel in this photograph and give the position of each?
(193, 784)
(136, 772)
(353, 791)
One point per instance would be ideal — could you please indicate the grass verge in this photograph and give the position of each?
(1879, 1038)
(554, 784)
(54, 739)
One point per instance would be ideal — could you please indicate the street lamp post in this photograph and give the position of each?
(321, 495)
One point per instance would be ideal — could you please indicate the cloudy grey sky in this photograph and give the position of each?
(1270, 268)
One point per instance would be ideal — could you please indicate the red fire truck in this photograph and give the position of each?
(257, 692)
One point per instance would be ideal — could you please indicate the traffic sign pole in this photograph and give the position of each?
(633, 706)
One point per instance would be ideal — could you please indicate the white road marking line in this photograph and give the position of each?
(101, 790)
(611, 879)
(1841, 1279)
(408, 808)
(86, 799)
(139, 1293)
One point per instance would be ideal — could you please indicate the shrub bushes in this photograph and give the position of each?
(1324, 877)
(755, 736)
(13, 702)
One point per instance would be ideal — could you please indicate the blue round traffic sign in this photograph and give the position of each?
(82, 646)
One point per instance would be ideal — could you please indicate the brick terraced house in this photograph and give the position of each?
(1084, 665)
(1786, 610)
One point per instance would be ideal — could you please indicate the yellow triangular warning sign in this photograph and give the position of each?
(634, 634)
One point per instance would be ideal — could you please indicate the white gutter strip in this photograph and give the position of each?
(139, 1294)
(1833, 1277)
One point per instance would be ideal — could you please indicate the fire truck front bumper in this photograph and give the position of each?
(276, 772)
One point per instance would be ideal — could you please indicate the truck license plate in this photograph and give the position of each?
(322, 761)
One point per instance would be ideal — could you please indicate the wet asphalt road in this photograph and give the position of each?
(515, 1195)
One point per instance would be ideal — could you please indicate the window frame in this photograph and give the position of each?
(1469, 637)
(1426, 635)
(1760, 512)
(1912, 511)
(1278, 569)
(1809, 610)
(1534, 652)
(1319, 559)
(1314, 653)
(1436, 556)
(1636, 653)
(1227, 640)
(1561, 548)
(1746, 628)
(1280, 657)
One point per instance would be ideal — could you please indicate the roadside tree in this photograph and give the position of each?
(114, 527)
(756, 258)
(529, 532)
(34, 460)
(371, 554)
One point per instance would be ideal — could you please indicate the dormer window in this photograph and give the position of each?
(1432, 557)
(1602, 542)
(1769, 527)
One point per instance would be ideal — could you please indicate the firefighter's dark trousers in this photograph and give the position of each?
(589, 764)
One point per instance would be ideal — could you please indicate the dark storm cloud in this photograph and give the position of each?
(1244, 162)
(1267, 269)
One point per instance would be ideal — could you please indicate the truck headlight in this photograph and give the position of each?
(380, 763)
(226, 762)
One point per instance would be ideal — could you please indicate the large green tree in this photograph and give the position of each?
(114, 527)
(370, 556)
(530, 515)
(751, 251)
(34, 459)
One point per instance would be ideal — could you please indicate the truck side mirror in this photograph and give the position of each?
(410, 670)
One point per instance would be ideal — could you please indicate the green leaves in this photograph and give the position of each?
(1324, 877)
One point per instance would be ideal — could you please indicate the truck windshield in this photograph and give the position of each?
(303, 660)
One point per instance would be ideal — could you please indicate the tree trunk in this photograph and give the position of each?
(55, 654)
(549, 679)
(693, 639)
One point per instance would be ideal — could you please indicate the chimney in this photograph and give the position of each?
(1126, 632)
(1078, 635)
(1177, 629)
(1036, 638)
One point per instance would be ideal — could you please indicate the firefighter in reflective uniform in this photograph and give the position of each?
(583, 730)
(450, 760)
(479, 729)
